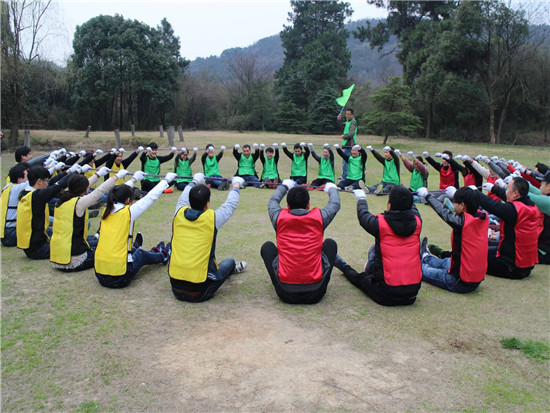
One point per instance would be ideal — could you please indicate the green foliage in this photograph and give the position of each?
(322, 118)
(533, 350)
(393, 112)
(289, 117)
(316, 55)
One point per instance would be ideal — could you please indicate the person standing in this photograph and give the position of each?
(349, 139)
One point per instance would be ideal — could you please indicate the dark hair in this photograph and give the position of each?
(520, 185)
(400, 198)
(469, 197)
(546, 177)
(297, 197)
(153, 145)
(269, 149)
(420, 158)
(207, 145)
(119, 193)
(77, 185)
(37, 172)
(350, 110)
(449, 153)
(199, 196)
(297, 145)
(21, 151)
(246, 146)
(542, 168)
(18, 171)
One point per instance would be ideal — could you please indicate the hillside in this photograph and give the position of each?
(367, 64)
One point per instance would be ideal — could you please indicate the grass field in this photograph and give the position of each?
(69, 344)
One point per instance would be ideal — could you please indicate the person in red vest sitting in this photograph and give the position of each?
(448, 169)
(466, 268)
(521, 223)
(301, 263)
(393, 273)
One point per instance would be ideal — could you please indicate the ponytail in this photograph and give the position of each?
(120, 193)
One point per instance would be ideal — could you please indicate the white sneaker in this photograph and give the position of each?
(240, 266)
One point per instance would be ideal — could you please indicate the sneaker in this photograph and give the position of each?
(138, 240)
(262, 185)
(449, 205)
(166, 252)
(363, 186)
(160, 246)
(321, 188)
(138, 194)
(435, 250)
(240, 266)
(93, 213)
(348, 188)
(424, 247)
(339, 263)
(379, 189)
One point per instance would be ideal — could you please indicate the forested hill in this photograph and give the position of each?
(367, 63)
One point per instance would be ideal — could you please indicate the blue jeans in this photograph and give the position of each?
(436, 271)
(140, 258)
(213, 181)
(251, 179)
(10, 237)
(345, 164)
(206, 290)
(348, 182)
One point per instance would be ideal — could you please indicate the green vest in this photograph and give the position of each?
(346, 131)
(246, 166)
(390, 173)
(184, 169)
(211, 166)
(152, 166)
(417, 180)
(326, 171)
(355, 168)
(298, 167)
(270, 169)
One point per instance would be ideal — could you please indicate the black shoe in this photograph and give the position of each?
(435, 250)
(138, 240)
(424, 247)
(93, 213)
(340, 263)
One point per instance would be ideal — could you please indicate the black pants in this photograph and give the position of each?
(269, 253)
(544, 259)
(320, 181)
(299, 179)
(147, 185)
(498, 268)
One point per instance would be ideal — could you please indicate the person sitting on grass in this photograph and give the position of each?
(393, 272)
(298, 169)
(448, 169)
(541, 198)
(8, 207)
(520, 226)
(195, 275)
(210, 165)
(301, 263)
(270, 173)
(391, 170)
(418, 169)
(115, 163)
(117, 259)
(247, 163)
(71, 248)
(150, 164)
(326, 166)
(182, 167)
(467, 265)
(356, 167)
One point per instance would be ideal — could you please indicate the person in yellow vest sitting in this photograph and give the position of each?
(32, 226)
(117, 259)
(150, 164)
(194, 272)
(90, 159)
(182, 167)
(8, 206)
(115, 163)
(71, 248)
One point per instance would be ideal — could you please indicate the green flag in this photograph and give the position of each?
(345, 96)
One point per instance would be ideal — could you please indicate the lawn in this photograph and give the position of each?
(69, 344)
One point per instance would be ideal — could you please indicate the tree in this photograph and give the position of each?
(393, 111)
(24, 27)
(316, 55)
(322, 117)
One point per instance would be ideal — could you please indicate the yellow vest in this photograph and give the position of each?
(63, 228)
(191, 246)
(111, 255)
(23, 226)
(4, 208)
(116, 168)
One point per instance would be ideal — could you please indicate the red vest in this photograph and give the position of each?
(473, 249)
(492, 180)
(469, 179)
(300, 242)
(446, 177)
(527, 230)
(400, 255)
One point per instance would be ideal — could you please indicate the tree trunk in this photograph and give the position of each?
(430, 121)
(491, 120)
(503, 115)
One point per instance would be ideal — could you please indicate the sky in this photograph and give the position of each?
(205, 28)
